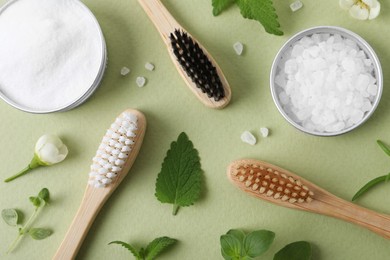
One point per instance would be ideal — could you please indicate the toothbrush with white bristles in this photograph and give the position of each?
(112, 162)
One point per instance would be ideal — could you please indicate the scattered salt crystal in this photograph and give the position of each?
(248, 138)
(141, 81)
(125, 71)
(296, 6)
(149, 66)
(238, 48)
(264, 131)
(326, 83)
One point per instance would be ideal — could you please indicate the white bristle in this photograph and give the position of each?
(113, 151)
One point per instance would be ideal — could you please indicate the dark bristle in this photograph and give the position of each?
(197, 65)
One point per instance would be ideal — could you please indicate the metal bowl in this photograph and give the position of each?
(88, 92)
(363, 45)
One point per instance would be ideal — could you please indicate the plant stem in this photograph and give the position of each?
(25, 229)
(21, 173)
(175, 209)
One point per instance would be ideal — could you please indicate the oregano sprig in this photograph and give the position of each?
(152, 250)
(12, 217)
(376, 181)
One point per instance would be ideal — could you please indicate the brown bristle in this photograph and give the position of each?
(197, 65)
(273, 184)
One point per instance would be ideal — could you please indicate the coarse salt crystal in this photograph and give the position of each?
(149, 66)
(248, 137)
(238, 48)
(296, 6)
(141, 81)
(125, 71)
(264, 131)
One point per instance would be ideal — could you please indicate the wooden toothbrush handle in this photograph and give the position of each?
(333, 206)
(91, 204)
(161, 18)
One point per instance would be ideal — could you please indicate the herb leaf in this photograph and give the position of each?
(220, 5)
(36, 201)
(370, 185)
(262, 11)
(384, 147)
(44, 195)
(257, 242)
(237, 233)
(157, 246)
(300, 250)
(231, 247)
(39, 233)
(179, 181)
(10, 216)
(128, 247)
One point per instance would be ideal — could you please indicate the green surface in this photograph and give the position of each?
(339, 164)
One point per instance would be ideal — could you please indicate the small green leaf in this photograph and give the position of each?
(257, 242)
(180, 179)
(384, 147)
(36, 201)
(387, 178)
(370, 185)
(128, 247)
(230, 247)
(157, 246)
(10, 216)
(237, 233)
(44, 195)
(220, 5)
(262, 11)
(39, 233)
(300, 250)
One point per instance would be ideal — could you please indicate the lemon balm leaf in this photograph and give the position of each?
(157, 246)
(10, 216)
(220, 5)
(179, 181)
(300, 250)
(263, 12)
(128, 247)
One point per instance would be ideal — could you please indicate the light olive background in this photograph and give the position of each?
(339, 164)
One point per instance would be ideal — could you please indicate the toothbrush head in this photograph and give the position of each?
(118, 149)
(197, 65)
(269, 182)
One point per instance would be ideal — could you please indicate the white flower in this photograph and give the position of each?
(361, 9)
(50, 149)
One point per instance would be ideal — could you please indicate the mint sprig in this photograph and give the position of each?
(259, 10)
(179, 181)
(12, 217)
(153, 249)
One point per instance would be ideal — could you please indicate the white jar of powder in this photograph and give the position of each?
(52, 54)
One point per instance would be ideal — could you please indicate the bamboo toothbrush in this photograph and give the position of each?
(196, 66)
(274, 184)
(113, 160)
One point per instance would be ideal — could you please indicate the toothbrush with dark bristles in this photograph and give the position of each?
(196, 66)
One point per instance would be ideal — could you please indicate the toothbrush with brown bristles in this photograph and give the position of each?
(274, 184)
(113, 160)
(196, 66)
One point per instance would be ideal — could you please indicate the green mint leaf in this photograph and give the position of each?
(237, 233)
(231, 247)
(257, 242)
(39, 233)
(179, 181)
(44, 195)
(384, 147)
(10, 216)
(128, 247)
(36, 201)
(369, 186)
(157, 246)
(220, 5)
(300, 250)
(262, 11)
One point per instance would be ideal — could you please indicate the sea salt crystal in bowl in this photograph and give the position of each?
(326, 81)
